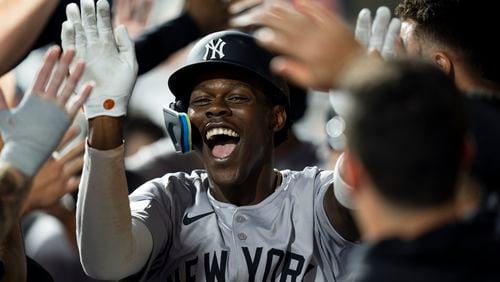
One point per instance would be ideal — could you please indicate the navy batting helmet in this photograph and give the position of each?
(232, 51)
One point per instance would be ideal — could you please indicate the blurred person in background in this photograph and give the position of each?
(435, 30)
(407, 151)
(407, 205)
(30, 133)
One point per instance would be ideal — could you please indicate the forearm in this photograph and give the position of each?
(14, 187)
(22, 22)
(157, 44)
(12, 255)
(339, 206)
(111, 245)
(105, 132)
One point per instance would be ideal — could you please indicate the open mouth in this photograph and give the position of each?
(222, 141)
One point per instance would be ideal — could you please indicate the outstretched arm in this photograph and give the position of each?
(314, 45)
(32, 131)
(112, 246)
(22, 22)
(198, 18)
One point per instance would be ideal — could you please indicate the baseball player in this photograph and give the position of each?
(238, 220)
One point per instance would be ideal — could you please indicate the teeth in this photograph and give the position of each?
(221, 131)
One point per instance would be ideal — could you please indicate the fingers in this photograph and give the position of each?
(379, 28)
(82, 97)
(280, 15)
(74, 166)
(73, 184)
(317, 11)
(74, 153)
(272, 40)
(144, 10)
(389, 49)
(363, 27)
(248, 19)
(67, 35)
(3, 102)
(276, 16)
(124, 44)
(45, 70)
(89, 20)
(104, 24)
(243, 6)
(121, 10)
(293, 70)
(71, 133)
(73, 15)
(374, 53)
(71, 82)
(60, 73)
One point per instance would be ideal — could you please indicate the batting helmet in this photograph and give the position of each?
(232, 51)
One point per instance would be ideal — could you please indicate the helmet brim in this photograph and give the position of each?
(182, 82)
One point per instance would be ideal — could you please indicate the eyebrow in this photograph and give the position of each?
(231, 84)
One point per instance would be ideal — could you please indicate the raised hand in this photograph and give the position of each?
(380, 36)
(314, 44)
(32, 131)
(134, 14)
(58, 175)
(110, 57)
(239, 7)
(209, 15)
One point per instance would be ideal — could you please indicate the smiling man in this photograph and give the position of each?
(238, 220)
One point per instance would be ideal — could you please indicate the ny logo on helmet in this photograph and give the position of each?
(217, 48)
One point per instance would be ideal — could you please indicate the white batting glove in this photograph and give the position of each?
(110, 58)
(382, 34)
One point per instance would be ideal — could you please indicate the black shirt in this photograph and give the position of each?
(464, 251)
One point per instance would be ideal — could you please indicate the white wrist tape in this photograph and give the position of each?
(341, 189)
(31, 132)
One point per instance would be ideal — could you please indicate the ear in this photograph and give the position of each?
(444, 62)
(279, 118)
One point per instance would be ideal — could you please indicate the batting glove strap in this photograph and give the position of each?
(106, 106)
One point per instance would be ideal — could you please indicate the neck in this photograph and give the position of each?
(468, 81)
(254, 189)
(383, 222)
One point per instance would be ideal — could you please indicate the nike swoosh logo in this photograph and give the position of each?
(188, 220)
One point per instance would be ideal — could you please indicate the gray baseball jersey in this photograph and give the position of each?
(286, 237)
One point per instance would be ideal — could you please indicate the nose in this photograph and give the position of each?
(218, 108)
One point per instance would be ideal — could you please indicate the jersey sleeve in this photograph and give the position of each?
(159, 205)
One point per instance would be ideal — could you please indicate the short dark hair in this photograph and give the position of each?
(407, 126)
(458, 24)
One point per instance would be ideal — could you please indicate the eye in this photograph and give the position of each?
(238, 98)
(200, 101)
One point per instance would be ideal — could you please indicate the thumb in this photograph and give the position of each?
(124, 44)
